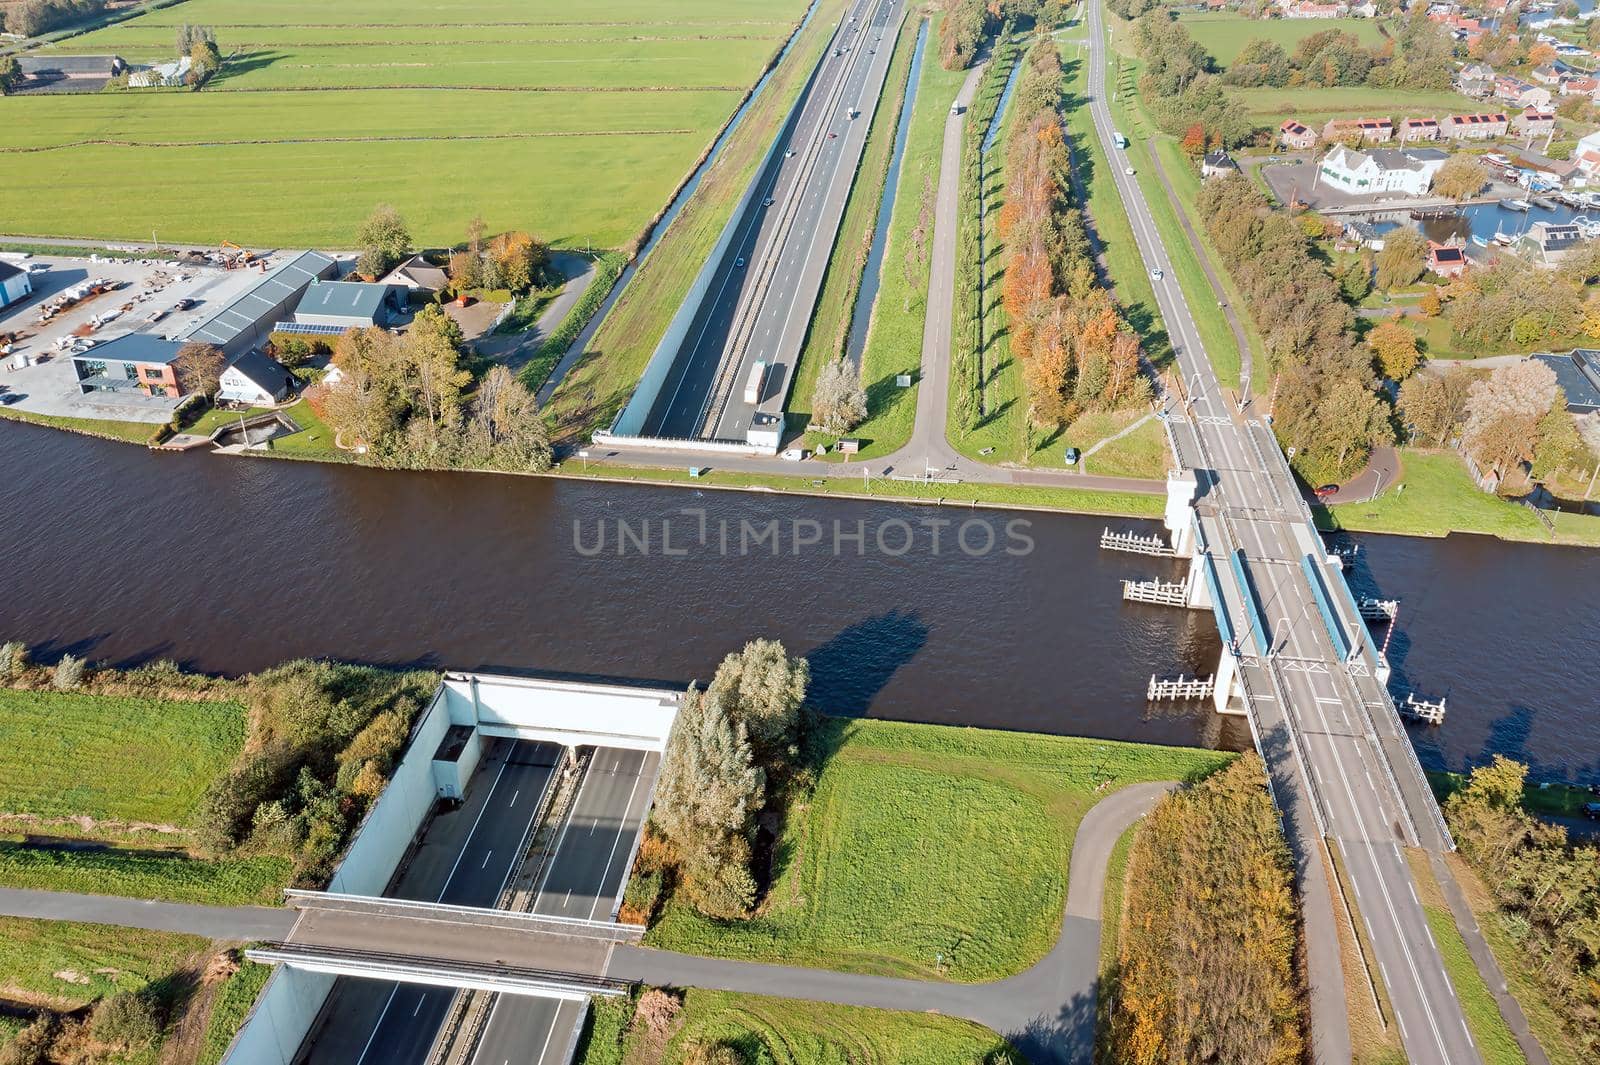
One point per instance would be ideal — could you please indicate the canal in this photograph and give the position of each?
(229, 564)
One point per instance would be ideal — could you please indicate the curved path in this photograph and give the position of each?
(1047, 1012)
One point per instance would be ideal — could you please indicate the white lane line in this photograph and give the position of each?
(379, 1026)
(473, 832)
(515, 797)
(486, 858)
(419, 1006)
(555, 854)
(633, 791)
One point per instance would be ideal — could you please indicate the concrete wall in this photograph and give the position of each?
(563, 711)
(386, 832)
(282, 1016)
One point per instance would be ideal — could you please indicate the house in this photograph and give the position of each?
(1586, 154)
(1515, 90)
(250, 318)
(162, 74)
(1218, 164)
(1381, 170)
(1548, 73)
(1481, 126)
(1310, 9)
(1446, 260)
(15, 284)
(334, 306)
(136, 362)
(1296, 136)
(1419, 129)
(1363, 234)
(1366, 10)
(1553, 173)
(1580, 86)
(1475, 80)
(256, 379)
(1578, 374)
(1532, 122)
(79, 71)
(417, 274)
(1550, 242)
(1374, 130)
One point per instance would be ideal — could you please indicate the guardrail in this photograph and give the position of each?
(407, 909)
(407, 968)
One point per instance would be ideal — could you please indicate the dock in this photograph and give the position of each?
(1136, 543)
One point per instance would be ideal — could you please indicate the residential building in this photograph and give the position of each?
(1532, 122)
(256, 379)
(1550, 242)
(1446, 260)
(136, 362)
(1296, 136)
(1311, 9)
(417, 274)
(1366, 10)
(15, 284)
(1419, 129)
(334, 306)
(1580, 86)
(1578, 374)
(1380, 170)
(1587, 155)
(1368, 130)
(1218, 164)
(1548, 73)
(1516, 91)
(250, 318)
(1475, 80)
(1482, 126)
(1363, 234)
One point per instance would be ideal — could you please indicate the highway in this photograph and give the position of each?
(761, 295)
(1341, 768)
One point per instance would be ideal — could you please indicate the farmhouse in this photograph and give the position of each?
(1296, 136)
(137, 362)
(1218, 164)
(1419, 129)
(256, 379)
(1380, 170)
(15, 284)
(1481, 126)
(334, 306)
(1375, 130)
(417, 274)
(249, 319)
(1446, 260)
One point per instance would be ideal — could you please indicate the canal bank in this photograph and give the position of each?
(123, 555)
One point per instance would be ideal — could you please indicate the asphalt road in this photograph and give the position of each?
(767, 283)
(1338, 766)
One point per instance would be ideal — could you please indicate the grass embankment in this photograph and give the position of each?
(1111, 919)
(116, 758)
(608, 266)
(602, 380)
(64, 965)
(131, 432)
(229, 1008)
(1314, 105)
(1435, 496)
(781, 1031)
(575, 130)
(146, 875)
(829, 330)
(1488, 1028)
(929, 851)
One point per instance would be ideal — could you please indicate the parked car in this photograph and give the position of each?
(1327, 491)
(1072, 456)
(794, 454)
(1591, 810)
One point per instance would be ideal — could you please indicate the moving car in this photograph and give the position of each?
(767, 202)
(1128, 170)
(739, 262)
(1156, 275)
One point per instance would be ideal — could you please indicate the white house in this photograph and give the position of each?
(15, 283)
(1587, 155)
(1408, 172)
(255, 379)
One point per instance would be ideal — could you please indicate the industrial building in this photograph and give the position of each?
(138, 362)
(249, 319)
(15, 284)
(334, 306)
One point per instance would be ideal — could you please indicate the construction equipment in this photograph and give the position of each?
(240, 256)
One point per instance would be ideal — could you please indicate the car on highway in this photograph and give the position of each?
(833, 136)
(183, 304)
(767, 202)
(1128, 170)
(1327, 491)
(1156, 275)
(739, 262)
(789, 154)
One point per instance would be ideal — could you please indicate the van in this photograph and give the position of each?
(956, 109)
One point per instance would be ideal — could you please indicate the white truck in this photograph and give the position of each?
(752, 387)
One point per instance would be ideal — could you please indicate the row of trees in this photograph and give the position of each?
(1207, 962)
(1180, 87)
(966, 23)
(405, 400)
(1327, 407)
(512, 261)
(1075, 350)
(1547, 889)
(33, 17)
(1423, 60)
(199, 43)
(734, 748)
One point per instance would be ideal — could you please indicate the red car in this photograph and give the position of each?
(1327, 490)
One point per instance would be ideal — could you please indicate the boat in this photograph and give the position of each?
(1502, 239)
(1516, 205)
(1542, 203)
(1482, 242)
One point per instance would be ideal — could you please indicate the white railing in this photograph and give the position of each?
(1180, 688)
(1164, 593)
(1136, 543)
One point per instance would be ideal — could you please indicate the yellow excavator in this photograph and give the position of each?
(240, 256)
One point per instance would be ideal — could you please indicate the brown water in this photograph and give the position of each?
(230, 564)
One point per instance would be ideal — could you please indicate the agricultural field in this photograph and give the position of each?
(576, 124)
(780, 1031)
(1225, 35)
(929, 851)
(116, 758)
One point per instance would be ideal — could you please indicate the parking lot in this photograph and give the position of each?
(39, 376)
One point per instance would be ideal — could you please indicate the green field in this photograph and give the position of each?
(1439, 498)
(781, 1031)
(65, 965)
(576, 124)
(930, 851)
(112, 757)
(1314, 106)
(145, 875)
(1224, 35)
(1141, 453)
(229, 1009)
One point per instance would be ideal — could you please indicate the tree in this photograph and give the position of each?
(763, 689)
(1557, 445)
(1430, 304)
(433, 363)
(1355, 278)
(519, 258)
(1461, 177)
(205, 59)
(384, 241)
(1503, 412)
(505, 430)
(1395, 350)
(10, 74)
(1401, 260)
(198, 368)
(366, 406)
(839, 402)
(1194, 141)
(1434, 405)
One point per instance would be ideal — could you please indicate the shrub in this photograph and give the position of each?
(708, 1052)
(230, 803)
(657, 1011)
(13, 659)
(68, 674)
(127, 1019)
(31, 1046)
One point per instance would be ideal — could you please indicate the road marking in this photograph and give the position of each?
(419, 1007)
(613, 856)
(549, 1036)
(472, 832)
(379, 1025)
(515, 797)
(486, 858)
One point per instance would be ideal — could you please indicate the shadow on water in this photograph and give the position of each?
(850, 670)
